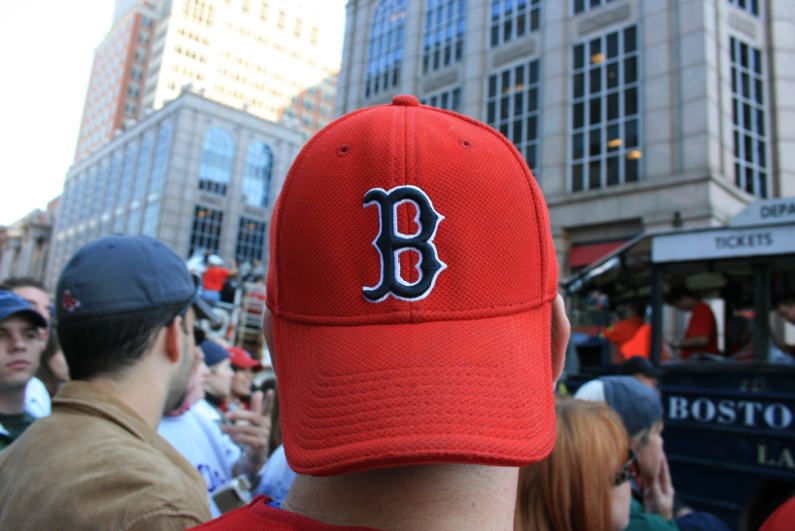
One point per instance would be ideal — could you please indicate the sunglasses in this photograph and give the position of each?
(627, 471)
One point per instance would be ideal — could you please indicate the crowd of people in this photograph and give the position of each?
(416, 346)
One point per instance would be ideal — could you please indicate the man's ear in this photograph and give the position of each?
(561, 330)
(173, 337)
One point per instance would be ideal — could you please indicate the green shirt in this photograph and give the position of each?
(643, 521)
(12, 426)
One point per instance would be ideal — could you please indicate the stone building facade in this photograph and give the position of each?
(633, 115)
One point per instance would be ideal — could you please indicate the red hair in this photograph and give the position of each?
(571, 490)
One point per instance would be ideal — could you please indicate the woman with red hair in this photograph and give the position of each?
(584, 483)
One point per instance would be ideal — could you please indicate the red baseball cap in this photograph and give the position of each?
(242, 359)
(411, 278)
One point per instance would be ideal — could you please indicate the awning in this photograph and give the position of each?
(588, 253)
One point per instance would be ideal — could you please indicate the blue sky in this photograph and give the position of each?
(48, 47)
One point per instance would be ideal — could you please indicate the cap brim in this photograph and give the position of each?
(33, 315)
(204, 310)
(249, 363)
(365, 397)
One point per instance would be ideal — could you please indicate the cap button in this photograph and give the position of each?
(406, 100)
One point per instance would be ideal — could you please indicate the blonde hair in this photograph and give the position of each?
(571, 490)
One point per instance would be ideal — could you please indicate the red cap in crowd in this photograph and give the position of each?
(242, 359)
(411, 279)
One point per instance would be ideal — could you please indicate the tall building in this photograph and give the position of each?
(252, 55)
(243, 53)
(196, 175)
(633, 115)
(115, 88)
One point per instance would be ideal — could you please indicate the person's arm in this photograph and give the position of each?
(691, 342)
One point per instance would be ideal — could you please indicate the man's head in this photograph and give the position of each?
(115, 296)
(31, 290)
(411, 290)
(219, 382)
(244, 367)
(681, 298)
(20, 342)
(639, 407)
(642, 370)
(785, 306)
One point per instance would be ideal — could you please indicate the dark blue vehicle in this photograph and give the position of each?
(729, 423)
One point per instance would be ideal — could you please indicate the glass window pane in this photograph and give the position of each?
(579, 56)
(518, 103)
(631, 133)
(492, 86)
(612, 171)
(630, 70)
(595, 84)
(595, 111)
(576, 178)
(530, 156)
(595, 142)
(761, 154)
(631, 170)
(532, 100)
(595, 174)
(516, 137)
(491, 112)
(533, 72)
(577, 146)
(630, 102)
(505, 108)
(579, 86)
(612, 75)
(578, 115)
(760, 122)
(613, 138)
(612, 106)
(612, 45)
(630, 40)
(532, 128)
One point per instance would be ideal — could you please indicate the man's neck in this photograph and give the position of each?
(12, 402)
(443, 496)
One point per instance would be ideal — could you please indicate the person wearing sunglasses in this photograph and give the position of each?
(125, 308)
(584, 484)
(640, 409)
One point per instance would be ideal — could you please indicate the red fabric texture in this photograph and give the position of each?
(624, 330)
(462, 375)
(781, 520)
(702, 323)
(259, 515)
(214, 278)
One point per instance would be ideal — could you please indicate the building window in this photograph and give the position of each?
(309, 105)
(130, 108)
(305, 120)
(160, 159)
(245, 6)
(137, 73)
(325, 111)
(142, 171)
(140, 55)
(445, 22)
(313, 35)
(134, 221)
(512, 107)
(580, 6)
(299, 28)
(126, 177)
(751, 6)
(206, 231)
(385, 47)
(133, 91)
(257, 180)
(449, 100)
(143, 38)
(263, 11)
(146, 22)
(605, 138)
(99, 195)
(218, 155)
(150, 219)
(749, 118)
(281, 21)
(511, 19)
(113, 182)
(199, 11)
(250, 240)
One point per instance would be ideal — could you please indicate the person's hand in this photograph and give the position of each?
(658, 495)
(252, 430)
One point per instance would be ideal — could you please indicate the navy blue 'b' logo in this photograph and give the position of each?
(390, 243)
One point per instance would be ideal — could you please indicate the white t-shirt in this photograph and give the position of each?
(200, 441)
(37, 399)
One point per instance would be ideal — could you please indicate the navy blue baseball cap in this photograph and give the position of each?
(213, 353)
(11, 304)
(119, 274)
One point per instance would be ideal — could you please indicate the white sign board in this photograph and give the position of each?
(723, 243)
(767, 212)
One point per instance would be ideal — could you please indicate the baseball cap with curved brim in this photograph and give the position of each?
(12, 304)
(242, 359)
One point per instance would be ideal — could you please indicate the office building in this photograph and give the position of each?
(25, 244)
(196, 175)
(633, 115)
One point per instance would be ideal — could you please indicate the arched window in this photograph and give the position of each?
(160, 160)
(218, 155)
(385, 47)
(443, 41)
(257, 181)
(139, 186)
